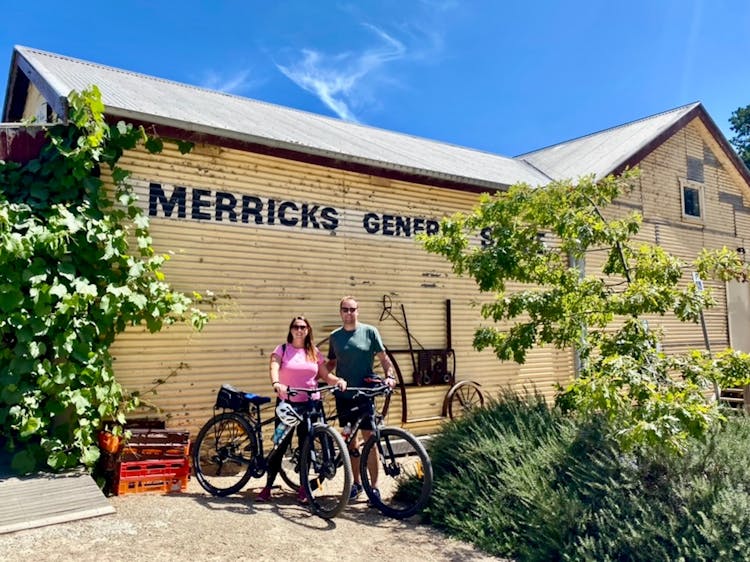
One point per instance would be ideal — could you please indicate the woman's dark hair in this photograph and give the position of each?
(309, 346)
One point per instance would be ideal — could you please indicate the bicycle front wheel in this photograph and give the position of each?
(289, 469)
(224, 454)
(325, 471)
(403, 483)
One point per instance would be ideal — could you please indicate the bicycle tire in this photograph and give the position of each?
(289, 469)
(404, 475)
(325, 471)
(224, 454)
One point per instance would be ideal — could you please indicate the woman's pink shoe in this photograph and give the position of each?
(301, 495)
(264, 495)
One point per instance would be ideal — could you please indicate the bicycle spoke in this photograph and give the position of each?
(326, 472)
(404, 478)
(289, 470)
(223, 454)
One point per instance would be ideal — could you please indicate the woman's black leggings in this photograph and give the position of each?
(274, 461)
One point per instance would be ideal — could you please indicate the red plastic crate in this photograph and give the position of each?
(156, 475)
(146, 444)
(154, 484)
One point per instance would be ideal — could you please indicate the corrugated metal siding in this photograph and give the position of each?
(262, 276)
(658, 196)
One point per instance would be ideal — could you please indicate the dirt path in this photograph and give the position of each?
(194, 526)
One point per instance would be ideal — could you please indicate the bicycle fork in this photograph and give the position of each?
(388, 459)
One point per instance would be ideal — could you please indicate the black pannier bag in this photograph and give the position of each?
(230, 398)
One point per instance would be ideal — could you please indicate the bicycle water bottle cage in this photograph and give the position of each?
(287, 414)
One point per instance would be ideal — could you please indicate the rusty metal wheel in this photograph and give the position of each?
(462, 397)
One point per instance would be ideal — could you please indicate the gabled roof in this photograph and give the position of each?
(612, 150)
(209, 115)
(148, 99)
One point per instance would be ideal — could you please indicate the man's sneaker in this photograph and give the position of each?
(355, 492)
(301, 495)
(264, 495)
(376, 494)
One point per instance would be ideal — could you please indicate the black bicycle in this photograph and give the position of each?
(401, 482)
(228, 451)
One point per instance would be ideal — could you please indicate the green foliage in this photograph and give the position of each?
(70, 281)
(537, 238)
(739, 123)
(527, 482)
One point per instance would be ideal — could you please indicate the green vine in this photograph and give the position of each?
(77, 267)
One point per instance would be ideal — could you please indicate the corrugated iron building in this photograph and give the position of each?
(278, 212)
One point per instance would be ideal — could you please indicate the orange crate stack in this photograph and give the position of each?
(145, 444)
(151, 459)
(154, 475)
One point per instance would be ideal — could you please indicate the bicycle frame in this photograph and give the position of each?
(375, 418)
(310, 415)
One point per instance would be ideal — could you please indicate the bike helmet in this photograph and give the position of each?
(287, 414)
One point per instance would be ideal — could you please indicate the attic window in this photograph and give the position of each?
(692, 200)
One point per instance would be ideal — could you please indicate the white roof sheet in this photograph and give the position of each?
(604, 152)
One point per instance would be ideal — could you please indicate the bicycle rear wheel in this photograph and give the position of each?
(224, 454)
(404, 480)
(325, 471)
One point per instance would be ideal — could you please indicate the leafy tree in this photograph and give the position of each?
(739, 123)
(76, 268)
(537, 238)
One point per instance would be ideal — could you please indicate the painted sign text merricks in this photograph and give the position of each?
(202, 204)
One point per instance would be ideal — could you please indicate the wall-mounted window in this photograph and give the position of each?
(692, 200)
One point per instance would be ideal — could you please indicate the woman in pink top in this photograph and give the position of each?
(296, 364)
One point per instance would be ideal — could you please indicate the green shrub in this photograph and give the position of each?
(520, 479)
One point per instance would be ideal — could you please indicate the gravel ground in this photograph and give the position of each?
(192, 525)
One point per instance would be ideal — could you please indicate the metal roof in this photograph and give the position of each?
(155, 100)
(607, 151)
(138, 97)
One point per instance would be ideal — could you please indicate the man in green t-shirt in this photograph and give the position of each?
(351, 352)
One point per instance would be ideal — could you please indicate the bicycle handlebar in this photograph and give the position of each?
(370, 391)
(310, 391)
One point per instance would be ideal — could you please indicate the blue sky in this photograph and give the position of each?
(501, 76)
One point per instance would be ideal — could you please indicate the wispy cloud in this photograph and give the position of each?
(231, 84)
(334, 79)
(692, 38)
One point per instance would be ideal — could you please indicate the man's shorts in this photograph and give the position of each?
(349, 410)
